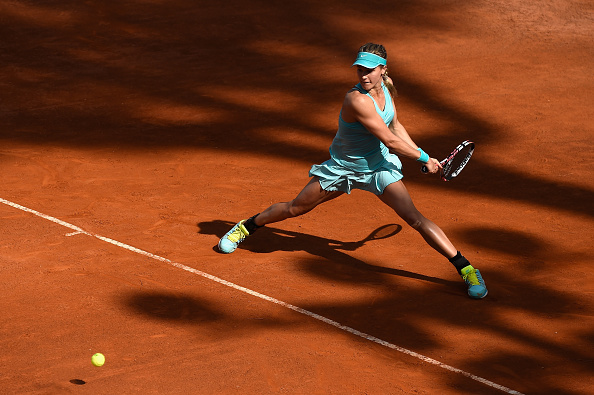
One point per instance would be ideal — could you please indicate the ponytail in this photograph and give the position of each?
(389, 85)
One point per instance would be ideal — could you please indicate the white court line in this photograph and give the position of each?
(268, 298)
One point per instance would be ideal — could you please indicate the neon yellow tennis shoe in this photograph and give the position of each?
(231, 240)
(476, 285)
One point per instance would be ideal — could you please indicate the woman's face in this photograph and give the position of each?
(370, 78)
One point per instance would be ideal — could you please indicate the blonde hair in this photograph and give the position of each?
(379, 50)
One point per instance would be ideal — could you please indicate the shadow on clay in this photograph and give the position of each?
(270, 239)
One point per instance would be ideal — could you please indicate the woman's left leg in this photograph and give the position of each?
(397, 197)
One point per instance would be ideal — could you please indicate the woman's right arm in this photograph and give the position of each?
(361, 108)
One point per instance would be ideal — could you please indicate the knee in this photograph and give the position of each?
(296, 210)
(416, 224)
(414, 220)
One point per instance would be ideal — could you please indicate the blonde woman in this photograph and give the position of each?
(365, 154)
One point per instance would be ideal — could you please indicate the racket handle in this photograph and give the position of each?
(424, 169)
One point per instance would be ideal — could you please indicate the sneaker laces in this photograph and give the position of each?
(237, 236)
(471, 278)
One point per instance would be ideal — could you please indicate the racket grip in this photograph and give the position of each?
(424, 169)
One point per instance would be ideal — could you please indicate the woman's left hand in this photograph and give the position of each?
(433, 165)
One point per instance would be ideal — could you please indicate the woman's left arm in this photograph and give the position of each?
(399, 131)
(396, 127)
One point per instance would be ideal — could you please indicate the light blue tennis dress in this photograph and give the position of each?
(358, 159)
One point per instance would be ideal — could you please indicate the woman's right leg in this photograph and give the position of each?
(309, 198)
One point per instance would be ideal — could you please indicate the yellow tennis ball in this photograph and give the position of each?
(98, 359)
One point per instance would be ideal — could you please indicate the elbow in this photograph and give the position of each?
(393, 145)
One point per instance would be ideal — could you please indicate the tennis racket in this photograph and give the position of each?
(453, 164)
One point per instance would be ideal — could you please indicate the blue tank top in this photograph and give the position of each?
(357, 148)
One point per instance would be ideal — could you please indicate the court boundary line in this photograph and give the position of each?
(78, 230)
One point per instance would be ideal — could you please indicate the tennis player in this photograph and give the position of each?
(365, 154)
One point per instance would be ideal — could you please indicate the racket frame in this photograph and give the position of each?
(446, 164)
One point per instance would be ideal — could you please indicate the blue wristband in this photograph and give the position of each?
(424, 157)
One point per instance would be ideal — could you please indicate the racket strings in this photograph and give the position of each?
(457, 162)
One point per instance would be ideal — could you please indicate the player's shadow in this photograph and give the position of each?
(271, 239)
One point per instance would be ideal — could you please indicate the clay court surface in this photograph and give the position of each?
(134, 134)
